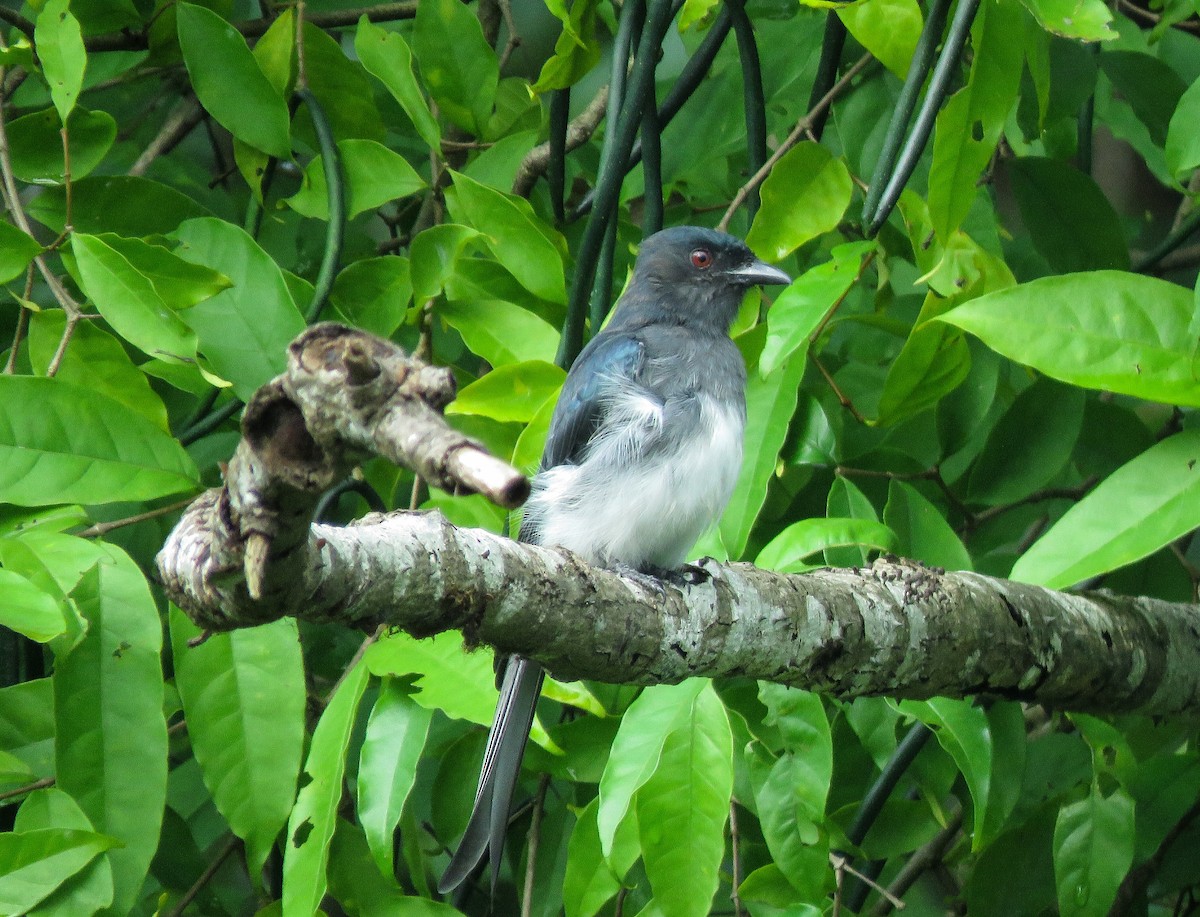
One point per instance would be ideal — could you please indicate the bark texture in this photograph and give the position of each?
(248, 553)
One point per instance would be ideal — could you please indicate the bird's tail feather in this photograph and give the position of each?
(498, 778)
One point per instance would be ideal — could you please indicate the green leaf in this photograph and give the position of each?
(28, 610)
(589, 881)
(510, 393)
(27, 722)
(1108, 330)
(1183, 133)
(229, 82)
(501, 332)
(577, 49)
(244, 699)
(1006, 724)
(1030, 444)
(17, 250)
(387, 765)
(247, 346)
(531, 251)
(34, 863)
(845, 500)
(1093, 850)
(683, 807)
(434, 252)
(889, 29)
(932, 363)
(1151, 87)
(341, 87)
(129, 301)
(1085, 20)
(374, 175)
(36, 144)
(970, 123)
(63, 443)
(458, 66)
(95, 360)
(770, 404)
(637, 748)
(962, 730)
(1056, 200)
(460, 684)
(386, 56)
(804, 196)
(90, 889)
(314, 817)
(799, 309)
(922, 532)
(111, 737)
(1142, 506)
(787, 550)
(60, 49)
(374, 294)
(125, 204)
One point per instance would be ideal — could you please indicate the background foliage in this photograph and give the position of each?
(997, 374)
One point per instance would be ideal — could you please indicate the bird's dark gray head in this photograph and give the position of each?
(693, 276)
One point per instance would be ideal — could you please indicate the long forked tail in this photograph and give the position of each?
(501, 764)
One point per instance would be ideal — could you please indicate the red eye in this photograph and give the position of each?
(701, 258)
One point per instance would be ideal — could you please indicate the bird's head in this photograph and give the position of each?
(694, 275)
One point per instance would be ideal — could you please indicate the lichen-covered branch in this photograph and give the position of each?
(248, 553)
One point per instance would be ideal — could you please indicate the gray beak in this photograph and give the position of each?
(759, 272)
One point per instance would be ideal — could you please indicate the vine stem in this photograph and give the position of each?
(803, 126)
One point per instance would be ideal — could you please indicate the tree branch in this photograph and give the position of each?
(249, 553)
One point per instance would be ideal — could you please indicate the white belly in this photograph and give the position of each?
(617, 508)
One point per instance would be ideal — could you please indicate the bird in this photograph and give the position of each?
(643, 451)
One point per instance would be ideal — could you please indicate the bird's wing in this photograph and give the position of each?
(607, 360)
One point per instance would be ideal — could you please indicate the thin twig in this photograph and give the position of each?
(843, 399)
(103, 528)
(579, 131)
(22, 328)
(737, 860)
(179, 123)
(535, 831)
(841, 864)
(28, 788)
(803, 126)
(514, 40)
(205, 877)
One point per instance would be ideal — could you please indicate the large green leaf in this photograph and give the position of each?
(922, 532)
(591, 879)
(889, 29)
(17, 249)
(64, 443)
(787, 550)
(434, 253)
(341, 87)
(111, 737)
(637, 748)
(1142, 506)
(314, 818)
(37, 149)
(90, 889)
(1183, 133)
(129, 300)
(387, 765)
(1056, 200)
(35, 863)
(501, 332)
(511, 393)
(1085, 20)
(798, 310)
(460, 684)
(374, 175)
(1030, 444)
(1093, 850)
(244, 698)
(125, 204)
(805, 195)
(29, 610)
(458, 66)
(683, 807)
(970, 123)
(770, 404)
(244, 331)
(229, 83)
(374, 294)
(63, 57)
(1102, 329)
(386, 55)
(531, 251)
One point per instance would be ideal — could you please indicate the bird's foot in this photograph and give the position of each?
(658, 578)
(647, 578)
